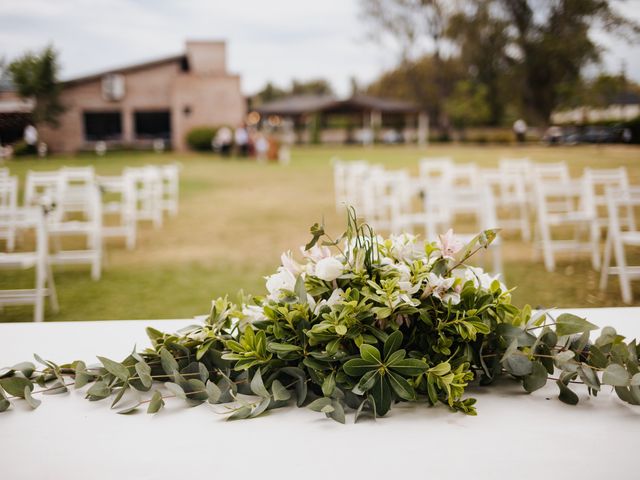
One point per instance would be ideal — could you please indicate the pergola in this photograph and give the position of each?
(357, 112)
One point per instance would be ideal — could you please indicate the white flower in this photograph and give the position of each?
(335, 297)
(404, 248)
(440, 288)
(329, 269)
(282, 280)
(251, 313)
(479, 277)
(449, 244)
(316, 253)
(290, 265)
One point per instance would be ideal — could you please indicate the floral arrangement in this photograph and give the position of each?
(355, 324)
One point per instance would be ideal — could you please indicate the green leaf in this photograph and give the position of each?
(329, 384)
(57, 388)
(176, 390)
(635, 380)
(280, 393)
(169, 364)
(144, 373)
(27, 368)
(392, 343)
(366, 382)
(518, 365)
(81, 375)
(401, 386)
(409, 367)
(317, 231)
(568, 324)
(370, 354)
(282, 348)
(114, 368)
(156, 403)
(213, 391)
(337, 413)
(318, 404)
(341, 329)
(566, 394)
(356, 367)
(395, 357)
(32, 402)
(98, 391)
(361, 409)
(4, 402)
(261, 407)
(257, 386)
(301, 291)
(589, 377)
(616, 375)
(240, 413)
(441, 369)
(6, 371)
(15, 385)
(381, 394)
(536, 379)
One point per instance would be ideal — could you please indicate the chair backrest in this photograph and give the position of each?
(8, 193)
(508, 187)
(622, 202)
(599, 179)
(42, 187)
(30, 218)
(557, 172)
(464, 175)
(436, 170)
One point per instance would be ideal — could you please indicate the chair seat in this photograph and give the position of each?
(570, 217)
(18, 260)
(71, 227)
(630, 238)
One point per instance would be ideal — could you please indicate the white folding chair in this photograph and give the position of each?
(30, 218)
(435, 171)
(89, 228)
(621, 234)
(76, 186)
(43, 189)
(170, 175)
(8, 208)
(561, 205)
(510, 196)
(119, 200)
(598, 180)
(148, 186)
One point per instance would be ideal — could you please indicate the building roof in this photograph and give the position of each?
(127, 69)
(301, 104)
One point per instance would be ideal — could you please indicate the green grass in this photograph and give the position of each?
(236, 217)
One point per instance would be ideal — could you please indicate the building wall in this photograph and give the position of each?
(201, 96)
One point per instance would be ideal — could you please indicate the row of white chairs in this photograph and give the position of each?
(568, 215)
(78, 203)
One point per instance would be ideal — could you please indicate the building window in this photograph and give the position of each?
(153, 124)
(102, 126)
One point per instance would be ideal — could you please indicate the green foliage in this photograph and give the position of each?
(399, 321)
(35, 76)
(200, 138)
(468, 105)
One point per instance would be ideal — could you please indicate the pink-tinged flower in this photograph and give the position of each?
(316, 253)
(449, 244)
(290, 265)
(440, 288)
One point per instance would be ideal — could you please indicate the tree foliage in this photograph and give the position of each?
(530, 54)
(35, 76)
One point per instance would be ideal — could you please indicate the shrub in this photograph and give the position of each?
(200, 138)
(22, 149)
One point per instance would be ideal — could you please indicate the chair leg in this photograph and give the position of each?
(547, 249)
(621, 262)
(606, 262)
(51, 287)
(595, 243)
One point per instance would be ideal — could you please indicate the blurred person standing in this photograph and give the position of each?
(30, 137)
(223, 140)
(241, 138)
(520, 130)
(262, 148)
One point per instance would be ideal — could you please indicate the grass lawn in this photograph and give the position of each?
(236, 217)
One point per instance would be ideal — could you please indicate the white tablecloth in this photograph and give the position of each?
(515, 435)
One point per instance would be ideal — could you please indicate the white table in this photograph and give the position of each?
(515, 435)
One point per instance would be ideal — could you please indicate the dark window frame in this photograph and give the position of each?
(102, 125)
(157, 124)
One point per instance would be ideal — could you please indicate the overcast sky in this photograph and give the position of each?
(273, 40)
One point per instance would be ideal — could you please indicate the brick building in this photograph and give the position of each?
(161, 99)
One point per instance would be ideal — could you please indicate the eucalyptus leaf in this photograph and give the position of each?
(280, 393)
(257, 386)
(114, 368)
(616, 375)
(568, 324)
(32, 402)
(15, 385)
(156, 403)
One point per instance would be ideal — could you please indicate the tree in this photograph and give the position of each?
(408, 22)
(318, 86)
(482, 43)
(552, 46)
(468, 105)
(35, 76)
